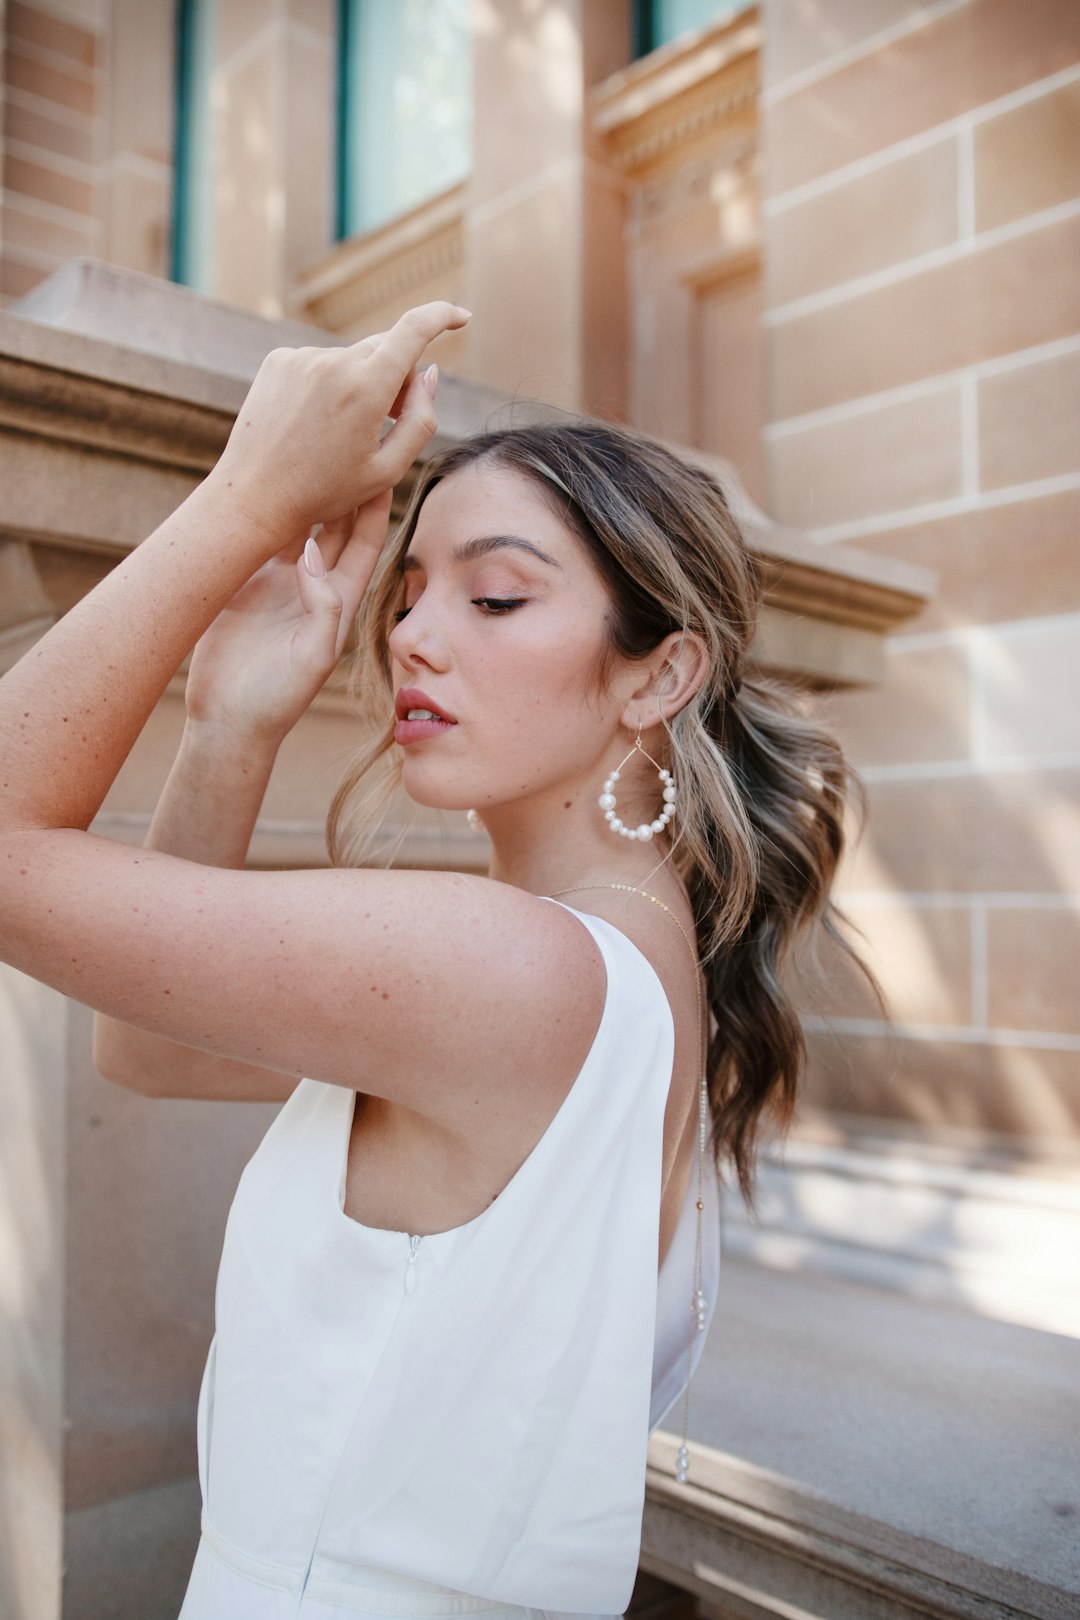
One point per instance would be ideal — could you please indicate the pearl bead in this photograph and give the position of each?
(616, 824)
(658, 826)
(608, 785)
(607, 801)
(609, 815)
(644, 832)
(614, 776)
(669, 795)
(665, 776)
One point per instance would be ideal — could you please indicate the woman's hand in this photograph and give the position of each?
(256, 669)
(306, 444)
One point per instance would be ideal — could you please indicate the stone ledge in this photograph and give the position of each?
(104, 438)
(842, 1468)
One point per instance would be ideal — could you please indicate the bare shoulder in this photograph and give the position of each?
(436, 990)
(507, 990)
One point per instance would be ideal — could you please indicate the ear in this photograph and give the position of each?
(672, 673)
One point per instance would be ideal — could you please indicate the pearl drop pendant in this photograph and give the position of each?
(646, 830)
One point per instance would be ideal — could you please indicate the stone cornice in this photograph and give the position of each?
(675, 97)
(386, 265)
(103, 441)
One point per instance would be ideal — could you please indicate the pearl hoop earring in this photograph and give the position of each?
(474, 821)
(647, 829)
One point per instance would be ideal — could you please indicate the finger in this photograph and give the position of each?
(333, 537)
(399, 448)
(322, 604)
(404, 344)
(357, 561)
(396, 407)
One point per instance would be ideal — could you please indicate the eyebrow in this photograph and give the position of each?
(481, 546)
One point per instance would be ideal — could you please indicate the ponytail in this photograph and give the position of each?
(793, 784)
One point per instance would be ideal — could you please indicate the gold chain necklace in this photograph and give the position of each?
(698, 1303)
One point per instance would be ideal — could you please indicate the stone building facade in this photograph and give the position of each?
(836, 246)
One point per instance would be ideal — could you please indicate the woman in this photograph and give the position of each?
(473, 1261)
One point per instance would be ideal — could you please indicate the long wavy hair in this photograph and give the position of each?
(763, 786)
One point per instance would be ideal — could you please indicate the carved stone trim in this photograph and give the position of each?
(663, 105)
(386, 265)
(50, 403)
(155, 426)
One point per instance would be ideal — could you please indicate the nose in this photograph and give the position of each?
(416, 640)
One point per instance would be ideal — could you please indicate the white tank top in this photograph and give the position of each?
(470, 1407)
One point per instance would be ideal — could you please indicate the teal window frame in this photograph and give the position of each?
(341, 166)
(189, 263)
(650, 31)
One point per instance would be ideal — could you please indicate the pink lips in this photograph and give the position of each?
(410, 731)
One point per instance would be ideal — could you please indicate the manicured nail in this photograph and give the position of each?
(313, 560)
(463, 311)
(431, 379)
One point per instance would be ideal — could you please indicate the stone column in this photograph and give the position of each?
(33, 1101)
(272, 104)
(545, 256)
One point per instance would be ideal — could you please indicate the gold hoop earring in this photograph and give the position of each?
(647, 829)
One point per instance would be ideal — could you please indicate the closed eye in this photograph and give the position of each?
(490, 604)
(498, 604)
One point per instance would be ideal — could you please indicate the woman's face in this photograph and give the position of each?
(515, 679)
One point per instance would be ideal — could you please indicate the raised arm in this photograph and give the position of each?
(252, 675)
(206, 813)
(355, 978)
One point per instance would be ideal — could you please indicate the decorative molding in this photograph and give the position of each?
(384, 266)
(676, 98)
(682, 186)
(91, 413)
(717, 270)
(156, 425)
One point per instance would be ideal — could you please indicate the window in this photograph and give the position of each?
(404, 106)
(656, 22)
(192, 180)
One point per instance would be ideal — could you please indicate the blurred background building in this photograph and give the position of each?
(834, 243)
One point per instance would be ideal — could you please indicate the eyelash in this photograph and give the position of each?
(494, 605)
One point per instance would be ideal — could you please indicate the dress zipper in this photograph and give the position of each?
(410, 1265)
(410, 1287)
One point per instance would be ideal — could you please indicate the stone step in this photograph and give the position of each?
(860, 1456)
(989, 1234)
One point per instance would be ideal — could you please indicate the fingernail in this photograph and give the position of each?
(313, 560)
(463, 311)
(431, 379)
